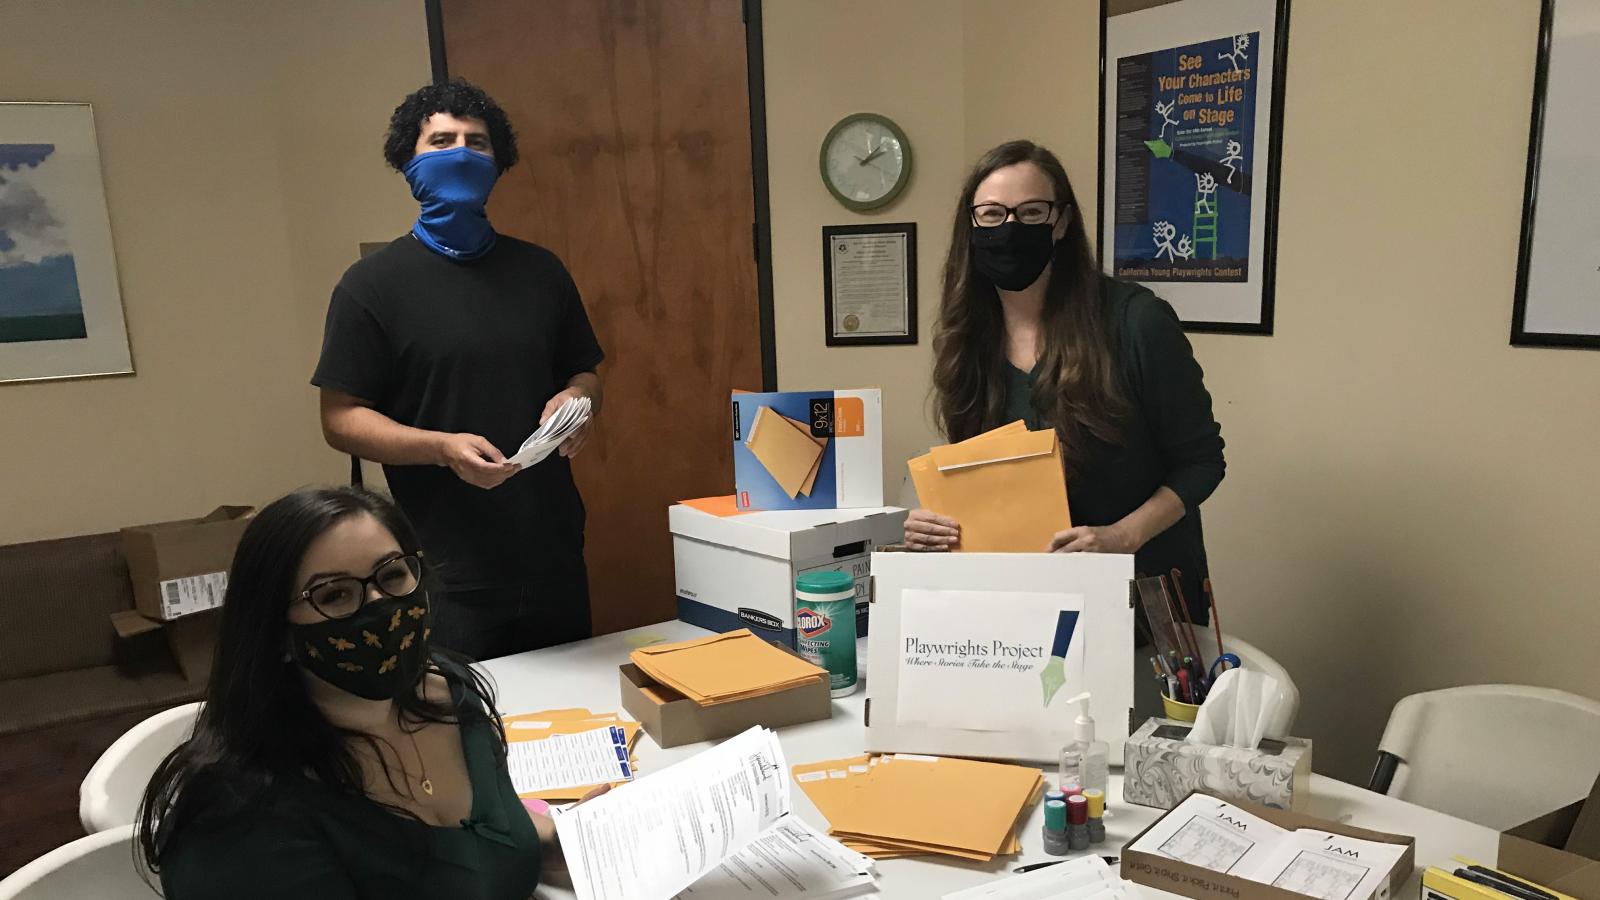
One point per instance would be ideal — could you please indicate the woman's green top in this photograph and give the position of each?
(309, 841)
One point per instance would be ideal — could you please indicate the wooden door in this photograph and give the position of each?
(633, 120)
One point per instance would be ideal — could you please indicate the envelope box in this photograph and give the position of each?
(682, 721)
(1560, 850)
(181, 568)
(739, 571)
(1160, 768)
(808, 450)
(1199, 883)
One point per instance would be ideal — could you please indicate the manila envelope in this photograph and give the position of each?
(924, 474)
(724, 667)
(897, 805)
(1008, 491)
(787, 453)
(811, 477)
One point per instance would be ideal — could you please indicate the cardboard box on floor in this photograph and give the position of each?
(738, 571)
(181, 568)
(193, 638)
(1560, 850)
(1203, 884)
(673, 720)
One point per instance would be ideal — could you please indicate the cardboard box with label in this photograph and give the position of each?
(738, 570)
(180, 568)
(1242, 851)
(982, 654)
(1160, 768)
(179, 572)
(808, 450)
(1560, 851)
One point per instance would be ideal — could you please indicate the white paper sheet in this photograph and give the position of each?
(1219, 836)
(567, 418)
(1212, 834)
(569, 760)
(976, 659)
(790, 859)
(651, 839)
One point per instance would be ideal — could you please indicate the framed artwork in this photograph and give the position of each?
(60, 306)
(1557, 302)
(869, 284)
(1191, 106)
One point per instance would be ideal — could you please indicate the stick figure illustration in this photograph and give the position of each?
(1241, 43)
(1165, 111)
(1185, 248)
(1164, 232)
(1235, 153)
(1205, 184)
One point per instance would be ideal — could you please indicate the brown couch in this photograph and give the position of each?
(68, 686)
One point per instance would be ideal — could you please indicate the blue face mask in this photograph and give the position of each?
(453, 187)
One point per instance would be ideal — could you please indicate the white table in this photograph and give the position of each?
(585, 674)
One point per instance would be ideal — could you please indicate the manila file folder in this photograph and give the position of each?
(1006, 488)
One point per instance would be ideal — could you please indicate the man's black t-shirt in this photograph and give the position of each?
(473, 346)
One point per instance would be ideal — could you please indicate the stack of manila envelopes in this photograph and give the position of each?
(787, 450)
(908, 804)
(723, 668)
(536, 726)
(1006, 487)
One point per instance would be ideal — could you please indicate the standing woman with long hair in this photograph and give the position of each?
(337, 756)
(1030, 329)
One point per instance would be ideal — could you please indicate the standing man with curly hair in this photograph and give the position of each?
(441, 353)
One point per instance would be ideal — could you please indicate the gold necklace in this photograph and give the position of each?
(427, 785)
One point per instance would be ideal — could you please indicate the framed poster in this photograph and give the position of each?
(1557, 303)
(1191, 134)
(869, 283)
(60, 307)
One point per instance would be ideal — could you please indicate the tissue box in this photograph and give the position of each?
(1160, 768)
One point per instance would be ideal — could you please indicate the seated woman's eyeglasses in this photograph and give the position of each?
(341, 598)
(1032, 212)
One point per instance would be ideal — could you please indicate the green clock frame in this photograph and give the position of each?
(905, 171)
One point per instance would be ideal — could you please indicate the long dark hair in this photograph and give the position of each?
(1078, 390)
(259, 724)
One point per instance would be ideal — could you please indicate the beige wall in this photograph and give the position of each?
(241, 149)
(1410, 502)
(826, 59)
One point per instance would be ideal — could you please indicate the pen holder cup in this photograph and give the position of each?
(1177, 709)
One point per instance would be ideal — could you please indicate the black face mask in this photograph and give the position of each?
(1012, 255)
(379, 653)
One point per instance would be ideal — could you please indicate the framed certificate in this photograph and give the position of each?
(869, 283)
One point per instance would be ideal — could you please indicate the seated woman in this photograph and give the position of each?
(337, 756)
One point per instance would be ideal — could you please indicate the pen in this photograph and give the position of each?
(1110, 861)
(1183, 685)
(1161, 678)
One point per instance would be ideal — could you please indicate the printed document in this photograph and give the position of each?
(597, 756)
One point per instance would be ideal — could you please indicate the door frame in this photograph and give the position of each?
(761, 216)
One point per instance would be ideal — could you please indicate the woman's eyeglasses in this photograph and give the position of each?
(341, 598)
(1032, 212)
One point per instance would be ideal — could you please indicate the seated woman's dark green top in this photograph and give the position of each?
(308, 841)
(1169, 437)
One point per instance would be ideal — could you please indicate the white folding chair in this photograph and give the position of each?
(1495, 754)
(110, 793)
(101, 866)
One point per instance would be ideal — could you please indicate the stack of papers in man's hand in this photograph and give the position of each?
(899, 805)
(723, 668)
(559, 755)
(567, 418)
